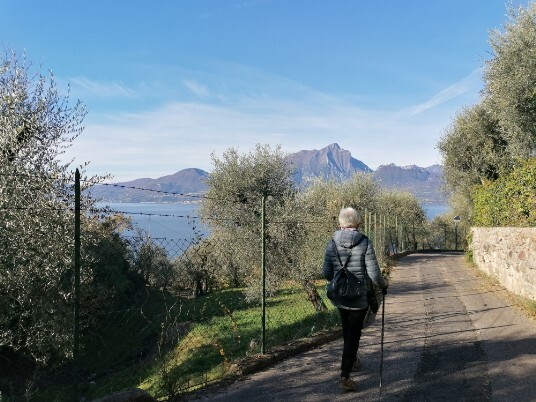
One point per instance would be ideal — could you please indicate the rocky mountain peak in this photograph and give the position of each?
(331, 162)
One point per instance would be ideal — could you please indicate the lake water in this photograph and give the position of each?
(434, 210)
(177, 221)
(170, 221)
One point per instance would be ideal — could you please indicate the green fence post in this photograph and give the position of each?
(384, 233)
(365, 223)
(76, 340)
(397, 245)
(263, 263)
(369, 224)
(402, 237)
(375, 241)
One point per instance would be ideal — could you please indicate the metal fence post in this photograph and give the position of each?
(384, 234)
(375, 240)
(402, 237)
(76, 340)
(263, 267)
(365, 223)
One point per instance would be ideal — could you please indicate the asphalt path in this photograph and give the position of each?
(448, 336)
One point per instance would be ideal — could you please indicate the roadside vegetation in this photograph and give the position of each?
(489, 151)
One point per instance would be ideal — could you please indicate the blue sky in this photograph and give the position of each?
(166, 83)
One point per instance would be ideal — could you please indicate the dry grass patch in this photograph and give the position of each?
(525, 305)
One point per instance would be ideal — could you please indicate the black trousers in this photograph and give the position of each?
(352, 324)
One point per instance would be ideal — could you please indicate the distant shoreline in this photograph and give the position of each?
(431, 209)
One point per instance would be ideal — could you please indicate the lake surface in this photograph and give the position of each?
(170, 221)
(434, 210)
(177, 221)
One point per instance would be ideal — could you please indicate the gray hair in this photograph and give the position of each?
(349, 218)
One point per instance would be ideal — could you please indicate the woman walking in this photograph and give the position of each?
(352, 249)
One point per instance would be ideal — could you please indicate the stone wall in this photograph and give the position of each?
(508, 254)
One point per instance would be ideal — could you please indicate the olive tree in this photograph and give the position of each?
(233, 208)
(152, 263)
(488, 140)
(510, 79)
(474, 151)
(473, 148)
(238, 182)
(325, 198)
(37, 123)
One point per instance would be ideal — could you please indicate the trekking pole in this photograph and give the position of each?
(384, 291)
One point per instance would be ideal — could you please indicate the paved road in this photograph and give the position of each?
(449, 336)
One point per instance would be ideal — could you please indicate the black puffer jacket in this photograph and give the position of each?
(362, 258)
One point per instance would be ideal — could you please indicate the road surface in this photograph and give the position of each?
(449, 336)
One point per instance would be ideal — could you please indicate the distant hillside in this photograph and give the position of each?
(424, 183)
(187, 181)
(331, 162)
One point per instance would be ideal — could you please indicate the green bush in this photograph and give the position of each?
(508, 201)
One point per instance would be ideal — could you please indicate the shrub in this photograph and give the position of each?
(508, 201)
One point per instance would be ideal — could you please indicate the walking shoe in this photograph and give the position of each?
(348, 385)
(357, 364)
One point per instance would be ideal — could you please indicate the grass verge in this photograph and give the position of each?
(173, 345)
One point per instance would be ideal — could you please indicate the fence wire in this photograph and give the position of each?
(168, 315)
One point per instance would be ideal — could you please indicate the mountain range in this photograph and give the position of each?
(331, 162)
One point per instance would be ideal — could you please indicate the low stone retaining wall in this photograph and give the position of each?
(508, 254)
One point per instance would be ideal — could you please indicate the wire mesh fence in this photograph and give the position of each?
(173, 328)
(168, 315)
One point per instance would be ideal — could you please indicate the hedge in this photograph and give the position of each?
(508, 201)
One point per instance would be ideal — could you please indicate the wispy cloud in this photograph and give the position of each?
(198, 89)
(183, 133)
(467, 85)
(103, 89)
